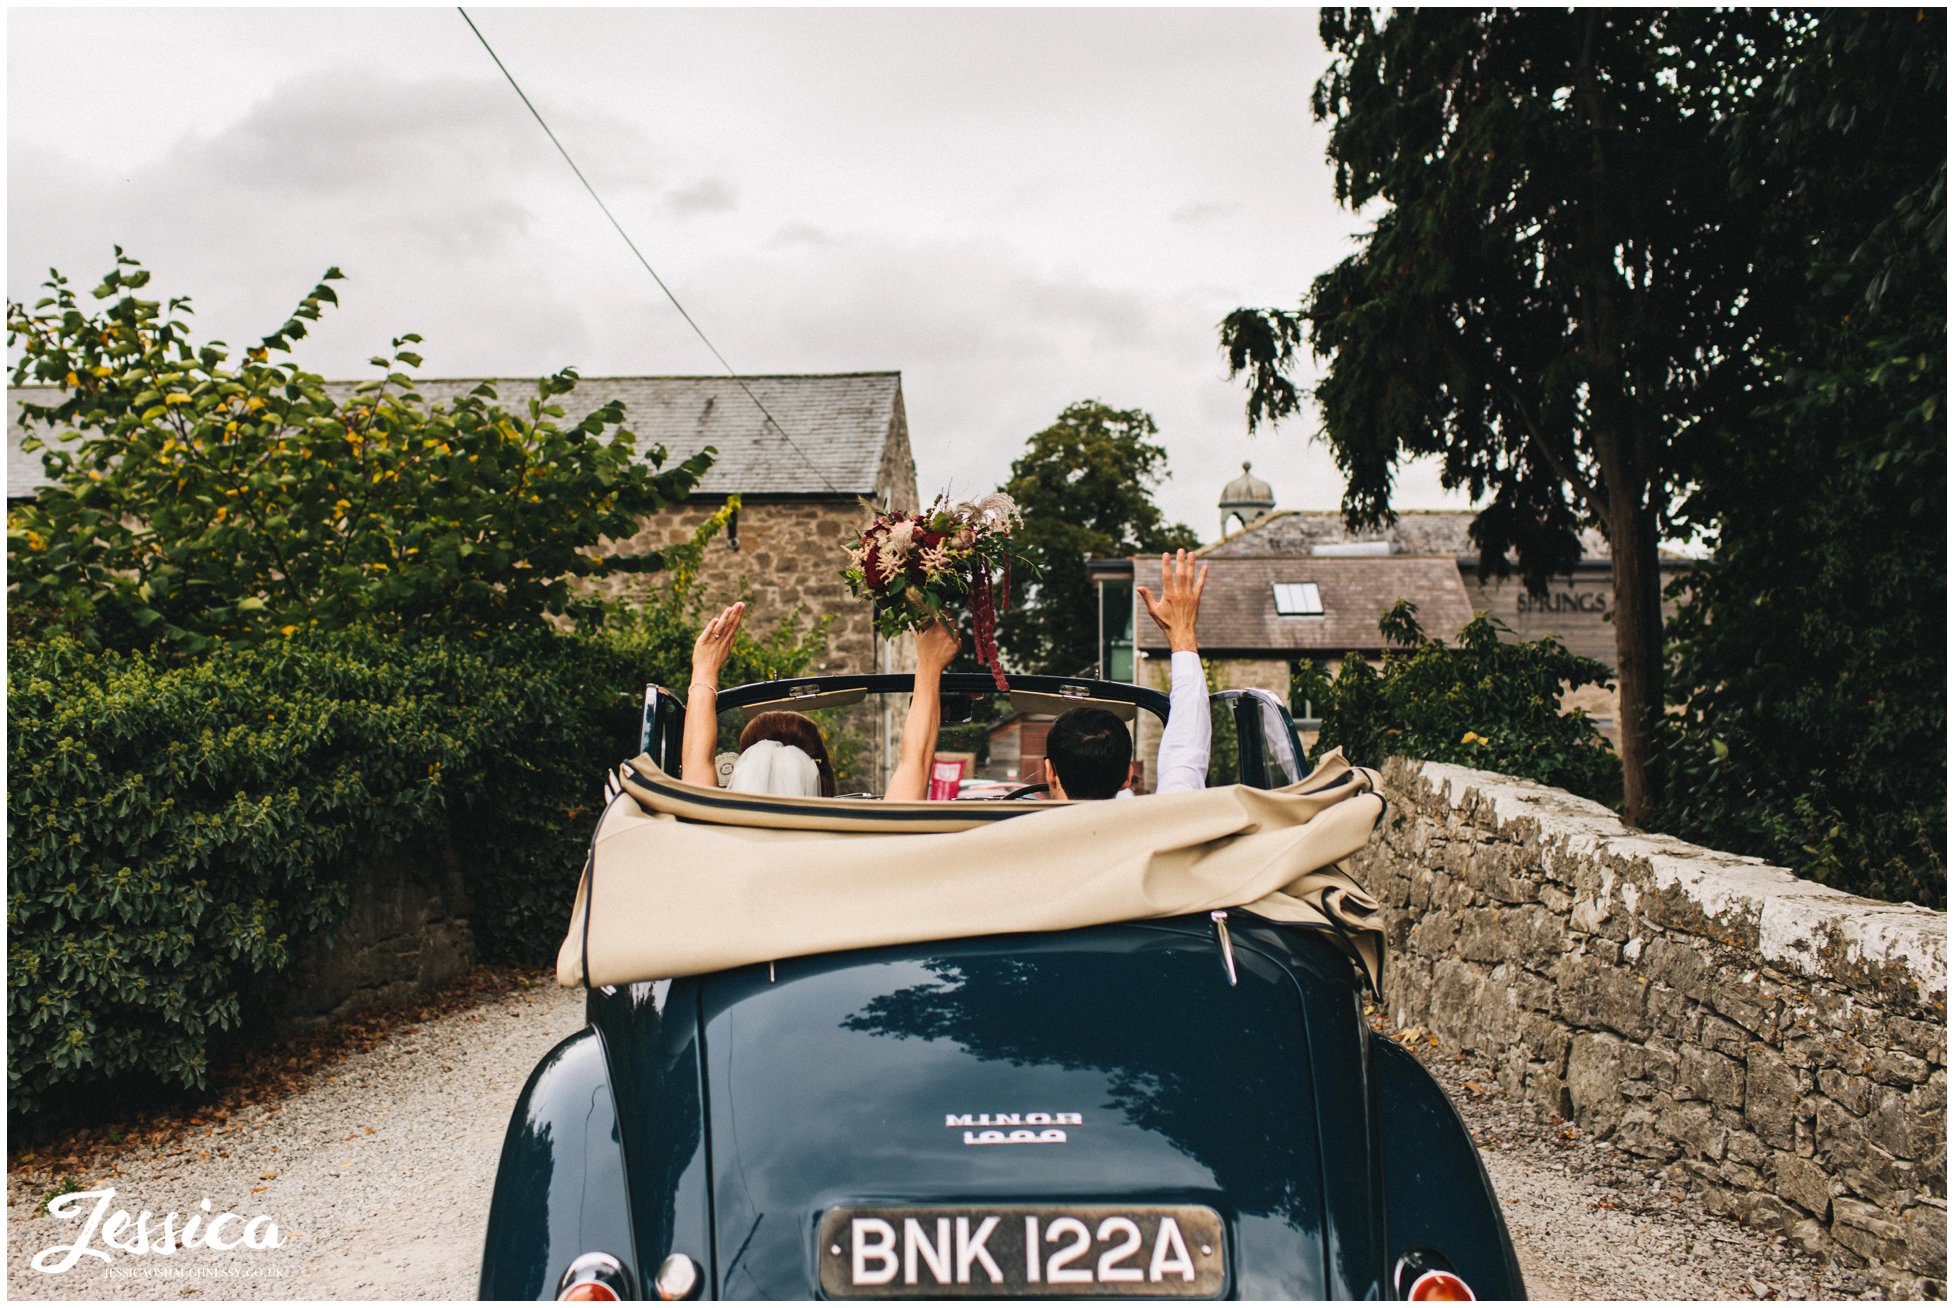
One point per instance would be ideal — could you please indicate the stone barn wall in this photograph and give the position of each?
(789, 562)
(406, 932)
(1778, 1045)
(790, 557)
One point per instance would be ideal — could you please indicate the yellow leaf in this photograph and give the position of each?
(73, 380)
(102, 371)
(287, 629)
(177, 397)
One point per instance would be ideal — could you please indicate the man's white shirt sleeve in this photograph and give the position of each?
(1184, 745)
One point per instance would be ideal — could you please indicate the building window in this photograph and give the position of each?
(1116, 630)
(1298, 599)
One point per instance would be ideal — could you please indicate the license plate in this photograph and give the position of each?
(1046, 1251)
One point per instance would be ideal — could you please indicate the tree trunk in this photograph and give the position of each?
(1638, 648)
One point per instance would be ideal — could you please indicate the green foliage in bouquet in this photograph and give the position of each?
(1483, 703)
(200, 498)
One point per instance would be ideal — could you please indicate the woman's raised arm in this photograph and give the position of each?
(701, 697)
(935, 646)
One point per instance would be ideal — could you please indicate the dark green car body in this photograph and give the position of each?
(721, 1116)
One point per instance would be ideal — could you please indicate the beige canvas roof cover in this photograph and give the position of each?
(689, 879)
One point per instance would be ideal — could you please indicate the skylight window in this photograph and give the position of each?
(1298, 599)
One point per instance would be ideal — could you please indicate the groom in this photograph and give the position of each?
(1089, 752)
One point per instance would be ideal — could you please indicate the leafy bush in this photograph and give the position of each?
(201, 500)
(1484, 703)
(175, 830)
(269, 638)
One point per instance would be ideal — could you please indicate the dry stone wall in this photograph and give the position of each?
(406, 932)
(1778, 1045)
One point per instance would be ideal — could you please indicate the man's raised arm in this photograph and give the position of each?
(1185, 744)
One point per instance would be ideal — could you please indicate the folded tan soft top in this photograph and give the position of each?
(686, 879)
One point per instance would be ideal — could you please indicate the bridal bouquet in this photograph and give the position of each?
(919, 568)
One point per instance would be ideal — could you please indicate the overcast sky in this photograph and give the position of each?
(1014, 208)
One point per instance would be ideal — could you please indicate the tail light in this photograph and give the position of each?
(1426, 1276)
(1440, 1286)
(594, 1278)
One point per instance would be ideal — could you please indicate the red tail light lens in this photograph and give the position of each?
(593, 1278)
(1439, 1286)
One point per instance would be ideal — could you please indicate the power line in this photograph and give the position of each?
(697, 330)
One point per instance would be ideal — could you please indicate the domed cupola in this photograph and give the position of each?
(1245, 499)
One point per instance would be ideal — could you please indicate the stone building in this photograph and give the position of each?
(1287, 584)
(845, 440)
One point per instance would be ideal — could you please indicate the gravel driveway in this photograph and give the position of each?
(378, 1175)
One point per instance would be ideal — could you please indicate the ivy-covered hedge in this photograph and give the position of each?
(175, 828)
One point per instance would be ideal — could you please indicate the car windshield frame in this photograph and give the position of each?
(1082, 689)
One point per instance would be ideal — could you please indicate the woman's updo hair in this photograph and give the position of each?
(798, 730)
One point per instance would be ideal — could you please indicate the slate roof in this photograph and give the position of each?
(1238, 608)
(840, 423)
(1291, 532)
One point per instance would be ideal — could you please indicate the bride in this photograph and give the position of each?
(783, 753)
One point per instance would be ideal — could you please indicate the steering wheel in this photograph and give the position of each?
(1026, 792)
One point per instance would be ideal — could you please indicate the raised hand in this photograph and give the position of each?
(1179, 603)
(936, 645)
(715, 643)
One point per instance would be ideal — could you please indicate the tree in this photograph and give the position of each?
(1810, 652)
(1483, 702)
(1549, 302)
(201, 500)
(1085, 484)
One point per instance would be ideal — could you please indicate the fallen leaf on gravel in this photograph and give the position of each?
(267, 1176)
(203, 1155)
(367, 1129)
(259, 1189)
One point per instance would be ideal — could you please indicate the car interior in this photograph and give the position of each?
(991, 743)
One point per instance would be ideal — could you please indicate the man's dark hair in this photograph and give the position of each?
(1090, 750)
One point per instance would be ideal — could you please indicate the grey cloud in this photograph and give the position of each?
(707, 195)
(1204, 212)
(325, 134)
(803, 234)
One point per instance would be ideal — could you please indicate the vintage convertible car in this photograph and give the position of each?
(989, 1048)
